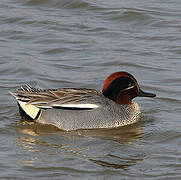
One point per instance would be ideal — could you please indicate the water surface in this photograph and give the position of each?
(53, 44)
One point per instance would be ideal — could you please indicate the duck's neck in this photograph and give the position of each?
(124, 99)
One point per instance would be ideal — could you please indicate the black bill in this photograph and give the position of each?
(146, 94)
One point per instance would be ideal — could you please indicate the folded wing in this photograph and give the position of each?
(66, 98)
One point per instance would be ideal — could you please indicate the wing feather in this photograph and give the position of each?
(50, 98)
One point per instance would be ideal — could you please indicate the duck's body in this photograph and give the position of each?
(71, 109)
(107, 114)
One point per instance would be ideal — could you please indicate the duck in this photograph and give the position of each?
(81, 108)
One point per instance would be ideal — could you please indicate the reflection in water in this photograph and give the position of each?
(28, 143)
(123, 164)
(33, 146)
(29, 162)
(68, 142)
(127, 134)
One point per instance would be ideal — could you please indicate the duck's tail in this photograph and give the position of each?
(27, 111)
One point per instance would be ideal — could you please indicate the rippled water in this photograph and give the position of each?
(78, 43)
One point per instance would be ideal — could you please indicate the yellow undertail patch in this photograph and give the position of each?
(29, 109)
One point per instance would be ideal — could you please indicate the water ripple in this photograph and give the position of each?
(78, 44)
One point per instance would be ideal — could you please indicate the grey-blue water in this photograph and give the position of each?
(78, 43)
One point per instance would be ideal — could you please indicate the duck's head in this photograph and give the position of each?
(122, 87)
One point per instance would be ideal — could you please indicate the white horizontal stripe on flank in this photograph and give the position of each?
(92, 106)
(44, 107)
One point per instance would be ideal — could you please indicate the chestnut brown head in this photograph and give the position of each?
(122, 87)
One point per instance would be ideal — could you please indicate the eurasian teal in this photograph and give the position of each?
(73, 108)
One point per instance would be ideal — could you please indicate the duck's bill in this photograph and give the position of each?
(146, 94)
